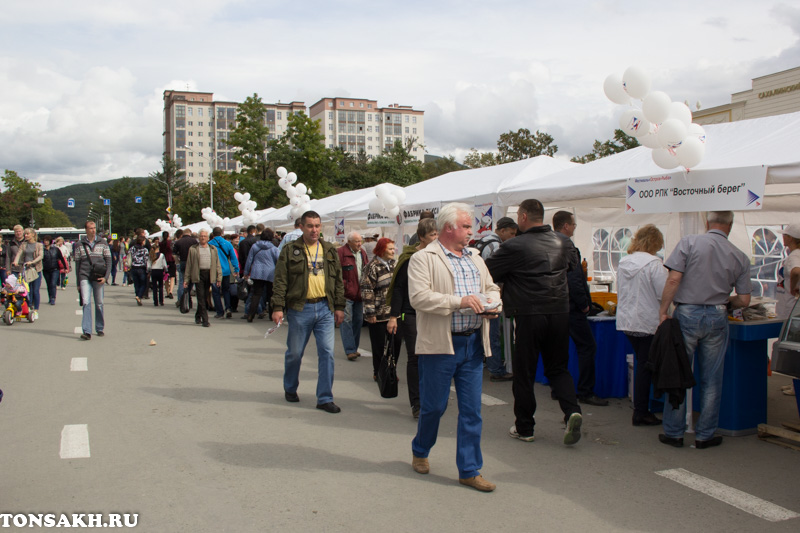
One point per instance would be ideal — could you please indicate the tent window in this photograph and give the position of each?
(768, 255)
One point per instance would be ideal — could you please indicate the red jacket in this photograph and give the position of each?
(352, 290)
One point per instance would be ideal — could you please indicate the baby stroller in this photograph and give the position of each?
(13, 298)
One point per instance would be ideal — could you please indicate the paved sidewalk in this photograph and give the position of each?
(193, 434)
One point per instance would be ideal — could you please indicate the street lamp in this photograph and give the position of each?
(211, 161)
(109, 212)
(169, 194)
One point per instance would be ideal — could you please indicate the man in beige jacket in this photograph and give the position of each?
(445, 281)
(202, 269)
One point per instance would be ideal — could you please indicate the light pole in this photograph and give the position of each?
(169, 194)
(211, 161)
(109, 212)
(39, 200)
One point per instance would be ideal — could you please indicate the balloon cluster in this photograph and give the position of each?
(661, 124)
(164, 225)
(213, 219)
(298, 195)
(176, 221)
(388, 199)
(247, 207)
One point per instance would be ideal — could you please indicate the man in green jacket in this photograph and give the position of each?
(308, 286)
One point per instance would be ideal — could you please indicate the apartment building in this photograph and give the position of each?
(773, 94)
(358, 124)
(196, 128)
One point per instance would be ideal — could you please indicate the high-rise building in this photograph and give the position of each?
(196, 128)
(358, 124)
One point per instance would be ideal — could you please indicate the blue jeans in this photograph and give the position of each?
(495, 362)
(351, 327)
(139, 276)
(181, 275)
(89, 290)
(33, 292)
(704, 328)
(225, 290)
(51, 278)
(436, 371)
(316, 318)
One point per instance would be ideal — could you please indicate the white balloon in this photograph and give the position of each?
(382, 190)
(665, 158)
(696, 130)
(283, 183)
(281, 172)
(656, 107)
(400, 195)
(691, 152)
(295, 201)
(305, 207)
(614, 90)
(237, 196)
(393, 212)
(296, 212)
(246, 196)
(633, 123)
(671, 133)
(636, 82)
(251, 205)
(291, 192)
(292, 177)
(306, 199)
(680, 111)
(375, 205)
(301, 188)
(650, 140)
(389, 201)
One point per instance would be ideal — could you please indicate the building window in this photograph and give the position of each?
(361, 104)
(342, 127)
(200, 163)
(199, 133)
(190, 133)
(188, 111)
(352, 104)
(369, 128)
(201, 174)
(191, 174)
(191, 164)
(279, 115)
(200, 113)
(369, 106)
(330, 104)
(200, 124)
(191, 123)
(189, 143)
(180, 110)
(330, 115)
(369, 117)
(406, 129)
(200, 144)
(406, 119)
(414, 131)
(414, 119)
(330, 126)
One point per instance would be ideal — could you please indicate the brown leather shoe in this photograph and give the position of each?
(478, 483)
(352, 356)
(420, 465)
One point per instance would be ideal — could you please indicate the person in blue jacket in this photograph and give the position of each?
(260, 268)
(230, 264)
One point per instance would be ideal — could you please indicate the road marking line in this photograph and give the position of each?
(79, 312)
(741, 500)
(365, 353)
(486, 399)
(79, 364)
(75, 441)
(78, 330)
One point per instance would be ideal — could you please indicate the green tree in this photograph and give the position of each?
(171, 180)
(196, 196)
(301, 149)
(476, 159)
(397, 165)
(126, 214)
(522, 144)
(354, 172)
(18, 201)
(439, 166)
(49, 217)
(621, 142)
(250, 135)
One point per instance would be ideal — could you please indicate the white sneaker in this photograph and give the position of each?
(573, 432)
(36, 315)
(512, 432)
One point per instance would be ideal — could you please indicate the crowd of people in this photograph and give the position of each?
(442, 297)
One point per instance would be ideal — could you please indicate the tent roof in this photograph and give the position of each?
(768, 141)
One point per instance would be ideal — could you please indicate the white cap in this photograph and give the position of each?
(793, 230)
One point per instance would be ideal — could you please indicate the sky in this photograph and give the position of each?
(82, 81)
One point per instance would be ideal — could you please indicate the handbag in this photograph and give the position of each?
(31, 274)
(97, 271)
(242, 289)
(184, 307)
(387, 371)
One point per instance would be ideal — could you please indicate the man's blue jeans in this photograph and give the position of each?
(92, 290)
(351, 327)
(495, 362)
(704, 328)
(436, 371)
(316, 318)
(220, 294)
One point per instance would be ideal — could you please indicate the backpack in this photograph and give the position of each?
(484, 242)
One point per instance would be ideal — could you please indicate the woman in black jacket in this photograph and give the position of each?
(50, 267)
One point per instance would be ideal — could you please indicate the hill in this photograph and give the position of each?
(82, 193)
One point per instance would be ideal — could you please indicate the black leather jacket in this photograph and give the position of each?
(533, 269)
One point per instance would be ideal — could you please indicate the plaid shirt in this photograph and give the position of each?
(467, 280)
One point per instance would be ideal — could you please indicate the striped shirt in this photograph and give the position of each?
(467, 280)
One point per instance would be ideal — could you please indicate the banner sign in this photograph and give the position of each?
(410, 215)
(138, 199)
(484, 220)
(71, 202)
(339, 232)
(376, 219)
(737, 189)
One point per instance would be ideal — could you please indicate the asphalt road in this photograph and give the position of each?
(193, 434)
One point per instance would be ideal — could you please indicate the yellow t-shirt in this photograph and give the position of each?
(316, 282)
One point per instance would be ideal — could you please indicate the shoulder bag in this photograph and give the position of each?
(97, 271)
(387, 371)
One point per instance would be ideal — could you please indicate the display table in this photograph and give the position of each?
(611, 366)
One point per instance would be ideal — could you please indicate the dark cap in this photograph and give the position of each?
(506, 222)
